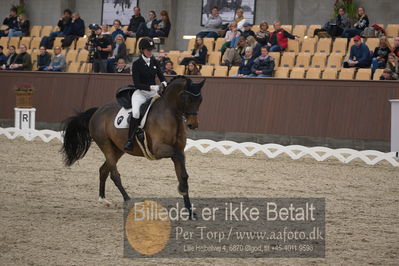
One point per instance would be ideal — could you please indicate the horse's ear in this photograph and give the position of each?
(201, 84)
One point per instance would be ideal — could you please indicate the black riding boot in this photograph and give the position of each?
(134, 123)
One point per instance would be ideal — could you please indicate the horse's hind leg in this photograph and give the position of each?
(116, 177)
(104, 173)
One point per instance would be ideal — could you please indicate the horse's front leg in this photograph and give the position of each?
(180, 167)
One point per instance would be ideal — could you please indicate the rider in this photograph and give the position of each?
(145, 68)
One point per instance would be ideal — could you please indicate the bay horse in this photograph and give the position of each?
(165, 129)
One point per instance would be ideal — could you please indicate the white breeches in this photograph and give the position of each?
(139, 97)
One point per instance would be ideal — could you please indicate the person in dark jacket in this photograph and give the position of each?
(360, 25)
(245, 69)
(247, 30)
(135, 21)
(192, 69)
(10, 58)
(65, 29)
(380, 55)
(118, 51)
(118, 29)
(3, 57)
(263, 65)
(198, 54)
(78, 25)
(23, 60)
(22, 28)
(278, 39)
(43, 59)
(169, 68)
(359, 54)
(144, 71)
(387, 74)
(145, 28)
(11, 22)
(121, 67)
(337, 25)
(162, 28)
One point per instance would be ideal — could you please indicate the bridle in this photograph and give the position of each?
(191, 95)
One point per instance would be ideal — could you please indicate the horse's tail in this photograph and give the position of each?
(77, 139)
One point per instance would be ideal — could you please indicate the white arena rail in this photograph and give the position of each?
(370, 157)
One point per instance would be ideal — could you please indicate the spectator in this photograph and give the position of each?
(336, 26)
(212, 25)
(22, 28)
(198, 54)
(359, 54)
(231, 37)
(192, 69)
(240, 19)
(121, 66)
(263, 65)
(118, 52)
(247, 30)
(65, 28)
(11, 22)
(162, 28)
(233, 56)
(105, 30)
(387, 74)
(380, 56)
(145, 28)
(169, 68)
(135, 21)
(162, 59)
(246, 63)
(78, 30)
(103, 49)
(3, 58)
(117, 29)
(10, 58)
(278, 40)
(262, 36)
(22, 61)
(360, 25)
(58, 62)
(43, 59)
(396, 48)
(392, 63)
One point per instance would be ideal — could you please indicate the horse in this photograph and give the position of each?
(165, 129)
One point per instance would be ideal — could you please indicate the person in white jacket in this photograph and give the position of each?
(212, 25)
(240, 19)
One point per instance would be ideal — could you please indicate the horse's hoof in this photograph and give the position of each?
(104, 201)
(181, 193)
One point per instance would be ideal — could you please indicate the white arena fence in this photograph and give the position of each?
(370, 157)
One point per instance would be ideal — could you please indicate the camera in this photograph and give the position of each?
(91, 42)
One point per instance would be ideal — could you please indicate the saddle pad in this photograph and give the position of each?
(121, 119)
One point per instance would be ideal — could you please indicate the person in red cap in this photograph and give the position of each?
(359, 54)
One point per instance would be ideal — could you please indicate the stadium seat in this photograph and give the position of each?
(80, 44)
(35, 31)
(299, 30)
(207, 70)
(219, 43)
(340, 45)
(221, 71)
(372, 43)
(174, 57)
(4, 42)
(392, 30)
(33, 54)
(179, 69)
(282, 72)
(56, 28)
(87, 33)
(391, 42)
(83, 55)
(86, 67)
(319, 61)
(190, 45)
(57, 41)
(130, 45)
(34, 65)
(311, 29)
(15, 41)
(209, 43)
(233, 71)
(363, 74)
(3, 27)
(378, 73)
(287, 28)
(35, 43)
(293, 46)
(255, 28)
(72, 55)
(335, 61)
(288, 60)
(313, 73)
(74, 67)
(330, 73)
(183, 55)
(347, 73)
(276, 56)
(308, 45)
(46, 30)
(214, 58)
(298, 73)
(303, 60)
(137, 43)
(26, 41)
(324, 46)
(124, 28)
